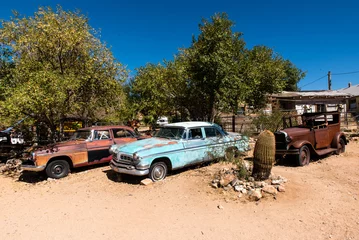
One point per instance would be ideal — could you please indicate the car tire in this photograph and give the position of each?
(158, 171)
(341, 146)
(58, 169)
(303, 157)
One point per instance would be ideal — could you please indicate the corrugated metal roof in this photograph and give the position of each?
(324, 93)
(353, 90)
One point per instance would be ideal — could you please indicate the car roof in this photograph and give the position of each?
(106, 127)
(189, 124)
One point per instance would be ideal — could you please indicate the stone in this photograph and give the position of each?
(238, 188)
(215, 181)
(227, 188)
(220, 207)
(254, 195)
(214, 185)
(234, 182)
(251, 179)
(269, 189)
(257, 184)
(146, 182)
(226, 179)
(240, 195)
(276, 182)
(244, 191)
(281, 188)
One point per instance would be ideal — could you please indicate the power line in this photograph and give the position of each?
(314, 81)
(345, 73)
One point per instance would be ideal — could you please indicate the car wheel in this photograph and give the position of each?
(158, 171)
(58, 169)
(341, 146)
(304, 156)
(231, 154)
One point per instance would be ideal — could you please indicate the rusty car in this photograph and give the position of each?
(88, 146)
(174, 146)
(309, 134)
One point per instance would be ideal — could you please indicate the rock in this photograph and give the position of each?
(238, 188)
(254, 195)
(227, 188)
(244, 191)
(214, 185)
(215, 181)
(51, 179)
(146, 182)
(269, 189)
(281, 188)
(226, 179)
(240, 195)
(276, 182)
(258, 184)
(251, 179)
(220, 207)
(234, 182)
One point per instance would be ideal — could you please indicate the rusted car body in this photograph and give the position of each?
(88, 146)
(310, 134)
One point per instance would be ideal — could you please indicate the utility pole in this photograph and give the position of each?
(329, 81)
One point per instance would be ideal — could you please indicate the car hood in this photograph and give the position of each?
(296, 131)
(153, 144)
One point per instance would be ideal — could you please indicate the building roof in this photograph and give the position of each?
(313, 94)
(352, 90)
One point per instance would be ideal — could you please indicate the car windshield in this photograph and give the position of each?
(82, 135)
(171, 133)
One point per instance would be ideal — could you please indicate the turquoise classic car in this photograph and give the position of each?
(175, 146)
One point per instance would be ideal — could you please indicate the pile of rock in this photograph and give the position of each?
(12, 166)
(249, 188)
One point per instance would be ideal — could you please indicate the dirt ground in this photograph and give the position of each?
(320, 202)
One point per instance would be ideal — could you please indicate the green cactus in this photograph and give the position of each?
(263, 155)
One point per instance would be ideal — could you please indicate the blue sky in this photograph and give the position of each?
(317, 36)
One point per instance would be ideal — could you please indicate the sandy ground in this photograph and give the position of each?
(321, 202)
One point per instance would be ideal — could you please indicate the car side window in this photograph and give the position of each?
(212, 132)
(122, 133)
(101, 135)
(195, 133)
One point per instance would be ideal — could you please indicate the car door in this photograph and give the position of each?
(215, 143)
(195, 146)
(321, 133)
(123, 136)
(98, 148)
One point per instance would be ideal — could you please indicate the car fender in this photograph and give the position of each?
(336, 138)
(299, 144)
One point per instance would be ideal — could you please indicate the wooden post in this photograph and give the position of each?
(233, 123)
(329, 81)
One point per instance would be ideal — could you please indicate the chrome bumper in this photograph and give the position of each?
(287, 152)
(128, 169)
(33, 168)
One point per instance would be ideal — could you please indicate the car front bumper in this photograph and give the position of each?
(287, 152)
(33, 168)
(128, 169)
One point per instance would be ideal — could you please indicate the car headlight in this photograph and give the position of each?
(112, 149)
(288, 139)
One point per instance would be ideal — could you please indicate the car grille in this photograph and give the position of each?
(280, 141)
(124, 159)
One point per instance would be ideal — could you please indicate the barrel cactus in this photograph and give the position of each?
(263, 155)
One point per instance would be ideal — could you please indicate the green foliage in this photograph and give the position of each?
(266, 72)
(213, 68)
(215, 74)
(60, 68)
(272, 122)
(263, 155)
